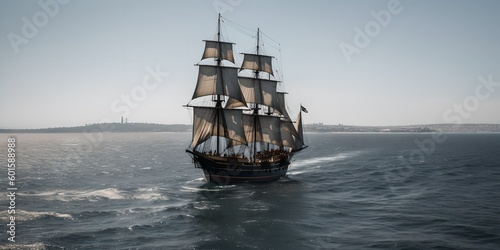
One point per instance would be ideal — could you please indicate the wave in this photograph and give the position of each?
(23, 215)
(309, 165)
(73, 195)
(137, 210)
(295, 172)
(101, 194)
(148, 194)
(18, 246)
(197, 180)
(195, 189)
(324, 159)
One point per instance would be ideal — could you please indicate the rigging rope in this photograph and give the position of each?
(270, 38)
(251, 33)
(234, 23)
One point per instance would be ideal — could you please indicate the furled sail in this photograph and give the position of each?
(217, 49)
(258, 63)
(205, 125)
(218, 80)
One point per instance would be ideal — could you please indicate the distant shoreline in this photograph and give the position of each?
(152, 127)
(108, 127)
(425, 128)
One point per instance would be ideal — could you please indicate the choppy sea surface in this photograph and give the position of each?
(346, 191)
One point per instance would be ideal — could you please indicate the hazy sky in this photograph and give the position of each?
(69, 63)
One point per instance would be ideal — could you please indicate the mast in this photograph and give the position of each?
(218, 105)
(218, 81)
(256, 110)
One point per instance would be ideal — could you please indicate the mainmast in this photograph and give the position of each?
(218, 104)
(256, 110)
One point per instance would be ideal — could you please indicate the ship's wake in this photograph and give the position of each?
(308, 165)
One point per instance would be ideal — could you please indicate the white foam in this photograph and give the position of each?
(295, 172)
(200, 180)
(215, 189)
(23, 215)
(73, 195)
(33, 246)
(148, 194)
(318, 160)
(108, 193)
(100, 194)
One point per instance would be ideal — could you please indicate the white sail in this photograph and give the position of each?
(252, 133)
(233, 104)
(289, 136)
(298, 127)
(232, 122)
(229, 125)
(203, 124)
(260, 91)
(259, 128)
(258, 63)
(218, 80)
(281, 102)
(270, 126)
(216, 49)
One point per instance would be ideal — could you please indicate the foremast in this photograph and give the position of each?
(213, 130)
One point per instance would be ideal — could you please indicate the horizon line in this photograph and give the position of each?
(307, 124)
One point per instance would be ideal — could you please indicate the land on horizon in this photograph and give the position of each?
(315, 127)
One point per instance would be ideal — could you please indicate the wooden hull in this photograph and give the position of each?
(226, 172)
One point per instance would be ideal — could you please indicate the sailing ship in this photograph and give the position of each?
(242, 131)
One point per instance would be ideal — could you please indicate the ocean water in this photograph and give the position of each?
(346, 191)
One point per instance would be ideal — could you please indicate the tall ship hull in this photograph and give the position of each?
(242, 131)
(224, 171)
